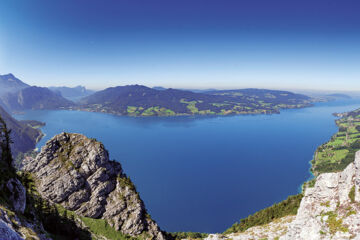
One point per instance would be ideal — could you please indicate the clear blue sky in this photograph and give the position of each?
(307, 44)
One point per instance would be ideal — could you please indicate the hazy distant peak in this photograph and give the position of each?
(11, 78)
(9, 75)
(72, 93)
(159, 88)
(10, 84)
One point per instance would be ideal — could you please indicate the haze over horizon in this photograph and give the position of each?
(183, 44)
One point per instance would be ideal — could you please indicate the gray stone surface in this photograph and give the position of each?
(13, 227)
(17, 194)
(7, 232)
(330, 196)
(75, 171)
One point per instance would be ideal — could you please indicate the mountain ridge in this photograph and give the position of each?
(9, 83)
(138, 100)
(34, 98)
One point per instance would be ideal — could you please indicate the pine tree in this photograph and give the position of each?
(5, 141)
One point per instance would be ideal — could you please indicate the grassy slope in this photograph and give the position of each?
(337, 153)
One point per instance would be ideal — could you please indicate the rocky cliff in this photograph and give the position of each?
(75, 172)
(329, 210)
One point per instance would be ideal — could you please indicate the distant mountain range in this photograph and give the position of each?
(34, 98)
(137, 100)
(72, 94)
(339, 95)
(16, 95)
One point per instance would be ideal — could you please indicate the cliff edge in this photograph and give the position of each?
(75, 172)
(329, 210)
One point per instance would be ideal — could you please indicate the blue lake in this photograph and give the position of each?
(203, 174)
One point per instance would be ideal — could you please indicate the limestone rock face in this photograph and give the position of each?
(17, 194)
(75, 171)
(7, 232)
(13, 227)
(330, 210)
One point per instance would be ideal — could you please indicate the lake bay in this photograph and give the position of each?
(204, 173)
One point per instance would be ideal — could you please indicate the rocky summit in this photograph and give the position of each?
(75, 172)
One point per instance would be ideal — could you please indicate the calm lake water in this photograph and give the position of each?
(203, 174)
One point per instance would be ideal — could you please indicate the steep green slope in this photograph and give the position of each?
(267, 215)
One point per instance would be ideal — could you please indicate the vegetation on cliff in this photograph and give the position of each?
(6, 169)
(267, 215)
(332, 156)
(42, 218)
(186, 235)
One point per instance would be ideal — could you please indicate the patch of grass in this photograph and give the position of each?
(125, 182)
(352, 194)
(351, 212)
(187, 235)
(102, 228)
(131, 109)
(335, 225)
(148, 112)
(326, 204)
(309, 184)
(191, 105)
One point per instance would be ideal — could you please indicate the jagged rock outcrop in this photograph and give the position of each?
(75, 171)
(7, 232)
(17, 194)
(13, 227)
(330, 209)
